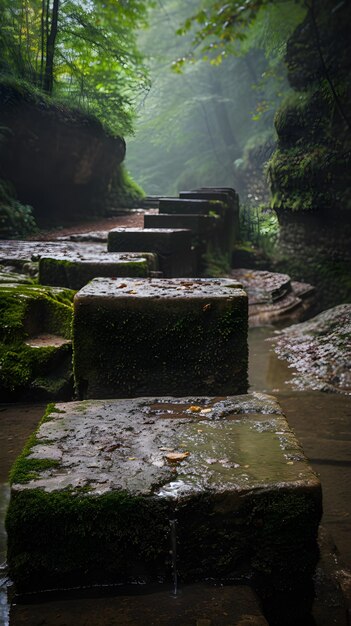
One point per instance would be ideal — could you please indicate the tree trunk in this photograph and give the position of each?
(50, 49)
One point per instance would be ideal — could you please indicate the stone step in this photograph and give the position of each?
(105, 489)
(228, 190)
(198, 224)
(193, 207)
(274, 298)
(154, 605)
(172, 245)
(18, 252)
(221, 196)
(151, 336)
(76, 270)
(204, 233)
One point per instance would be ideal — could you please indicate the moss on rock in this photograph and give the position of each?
(25, 312)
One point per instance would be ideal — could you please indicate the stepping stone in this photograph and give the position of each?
(76, 270)
(104, 489)
(228, 190)
(204, 230)
(198, 224)
(221, 196)
(173, 247)
(273, 298)
(194, 207)
(24, 251)
(195, 605)
(139, 337)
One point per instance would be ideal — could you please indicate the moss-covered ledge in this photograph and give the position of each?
(35, 347)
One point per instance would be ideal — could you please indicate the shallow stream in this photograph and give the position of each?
(322, 423)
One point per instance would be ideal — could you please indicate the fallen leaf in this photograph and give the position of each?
(194, 408)
(176, 457)
(206, 410)
(122, 285)
(207, 307)
(132, 458)
(167, 449)
(132, 291)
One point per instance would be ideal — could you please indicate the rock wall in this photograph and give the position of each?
(59, 160)
(310, 171)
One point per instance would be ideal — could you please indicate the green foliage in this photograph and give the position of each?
(16, 219)
(124, 192)
(195, 124)
(237, 26)
(96, 63)
(259, 225)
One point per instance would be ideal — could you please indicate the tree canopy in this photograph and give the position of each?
(83, 51)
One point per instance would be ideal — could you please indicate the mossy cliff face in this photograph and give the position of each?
(310, 171)
(59, 160)
(29, 370)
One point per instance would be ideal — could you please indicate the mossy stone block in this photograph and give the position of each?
(194, 206)
(140, 337)
(29, 312)
(76, 270)
(204, 229)
(200, 225)
(172, 245)
(102, 485)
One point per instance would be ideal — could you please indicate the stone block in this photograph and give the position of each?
(204, 230)
(228, 190)
(105, 489)
(198, 604)
(140, 337)
(173, 247)
(76, 270)
(210, 195)
(199, 225)
(193, 206)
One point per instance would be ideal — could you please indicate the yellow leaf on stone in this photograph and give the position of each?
(206, 410)
(176, 457)
(194, 408)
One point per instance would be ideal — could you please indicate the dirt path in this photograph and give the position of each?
(134, 219)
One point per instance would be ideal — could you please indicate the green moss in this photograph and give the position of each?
(22, 306)
(25, 311)
(124, 191)
(74, 537)
(122, 352)
(25, 469)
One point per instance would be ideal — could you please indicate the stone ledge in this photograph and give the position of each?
(95, 490)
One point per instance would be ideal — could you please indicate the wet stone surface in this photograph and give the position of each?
(172, 245)
(195, 605)
(156, 336)
(94, 494)
(192, 206)
(32, 250)
(74, 270)
(274, 298)
(320, 350)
